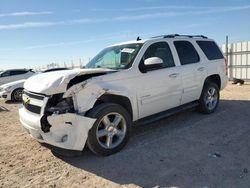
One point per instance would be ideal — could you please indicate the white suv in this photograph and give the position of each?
(124, 84)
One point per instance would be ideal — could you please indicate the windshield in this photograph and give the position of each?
(115, 57)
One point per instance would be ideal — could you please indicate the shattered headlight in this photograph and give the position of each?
(59, 105)
(56, 105)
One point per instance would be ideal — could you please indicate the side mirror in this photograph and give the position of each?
(150, 64)
(153, 61)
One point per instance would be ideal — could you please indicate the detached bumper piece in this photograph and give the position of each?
(67, 131)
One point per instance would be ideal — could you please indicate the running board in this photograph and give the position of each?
(167, 113)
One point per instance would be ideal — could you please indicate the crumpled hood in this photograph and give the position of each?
(56, 82)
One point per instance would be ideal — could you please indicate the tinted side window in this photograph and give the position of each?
(186, 52)
(17, 72)
(210, 49)
(161, 50)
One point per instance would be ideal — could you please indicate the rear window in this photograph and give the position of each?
(210, 49)
(186, 52)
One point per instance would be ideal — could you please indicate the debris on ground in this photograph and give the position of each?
(245, 170)
(237, 81)
(215, 155)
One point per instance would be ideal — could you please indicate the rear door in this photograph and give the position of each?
(193, 70)
(14, 76)
(159, 88)
(20, 74)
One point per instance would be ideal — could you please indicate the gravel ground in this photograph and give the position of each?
(185, 150)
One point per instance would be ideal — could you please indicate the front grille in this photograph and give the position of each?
(34, 95)
(30, 101)
(32, 108)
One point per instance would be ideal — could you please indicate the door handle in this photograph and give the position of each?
(145, 96)
(201, 69)
(174, 75)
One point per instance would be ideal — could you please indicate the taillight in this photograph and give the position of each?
(226, 63)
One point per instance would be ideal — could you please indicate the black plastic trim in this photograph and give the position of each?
(32, 108)
(35, 96)
(167, 113)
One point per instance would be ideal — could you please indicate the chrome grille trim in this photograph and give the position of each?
(35, 102)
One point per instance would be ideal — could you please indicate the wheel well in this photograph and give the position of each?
(16, 90)
(117, 99)
(215, 78)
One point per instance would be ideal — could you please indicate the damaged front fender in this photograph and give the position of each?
(84, 95)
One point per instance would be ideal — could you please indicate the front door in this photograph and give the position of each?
(159, 87)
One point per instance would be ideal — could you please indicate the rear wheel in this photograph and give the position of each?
(16, 95)
(209, 99)
(110, 131)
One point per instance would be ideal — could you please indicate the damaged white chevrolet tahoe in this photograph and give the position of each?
(127, 82)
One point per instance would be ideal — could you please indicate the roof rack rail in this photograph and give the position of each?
(177, 35)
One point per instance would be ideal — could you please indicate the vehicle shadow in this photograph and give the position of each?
(12, 102)
(177, 151)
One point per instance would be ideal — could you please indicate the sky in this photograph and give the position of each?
(35, 33)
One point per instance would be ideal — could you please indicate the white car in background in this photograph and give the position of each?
(12, 91)
(12, 75)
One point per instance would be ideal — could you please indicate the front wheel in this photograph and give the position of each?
(16, 95)
(209, 99)
(110, 131)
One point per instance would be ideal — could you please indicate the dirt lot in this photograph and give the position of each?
(186, 150)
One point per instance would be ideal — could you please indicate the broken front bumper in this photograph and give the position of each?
(68, 131)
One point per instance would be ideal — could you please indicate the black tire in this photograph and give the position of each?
(16, 95)
(205, 107)
(208, 103)
(98, 144)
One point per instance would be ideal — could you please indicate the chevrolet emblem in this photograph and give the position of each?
(26, 99)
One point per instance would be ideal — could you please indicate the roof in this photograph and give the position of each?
(170, 36)
(16, 70)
